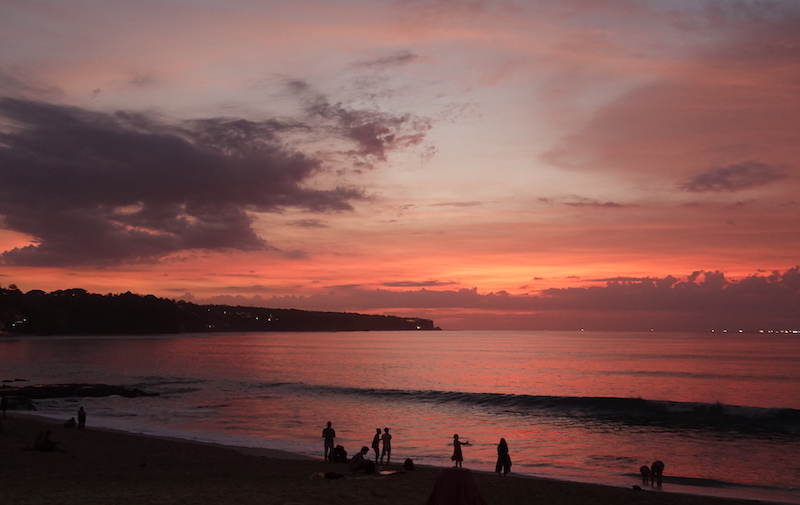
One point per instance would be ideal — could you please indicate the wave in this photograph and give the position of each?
(700, 375)
(636, 411)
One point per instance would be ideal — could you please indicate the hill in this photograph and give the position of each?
(77, 312)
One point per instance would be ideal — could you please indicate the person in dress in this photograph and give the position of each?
(457, 456)
(387, 446)
(503, 459)
(329, 434)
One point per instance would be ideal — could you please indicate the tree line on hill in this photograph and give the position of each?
(77, 312)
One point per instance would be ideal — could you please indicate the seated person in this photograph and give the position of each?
(360, 464)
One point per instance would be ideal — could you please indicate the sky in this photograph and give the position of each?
(610, 165)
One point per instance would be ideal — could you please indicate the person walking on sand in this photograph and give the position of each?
(503, 459)
(81, 418)
(376, 444)
(387, 446)
(457, 456)
(329, 434)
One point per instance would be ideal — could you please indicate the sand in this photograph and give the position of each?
(107, 467)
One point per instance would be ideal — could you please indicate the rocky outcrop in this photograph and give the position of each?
(43, 391)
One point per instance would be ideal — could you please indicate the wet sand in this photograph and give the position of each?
(109, 467)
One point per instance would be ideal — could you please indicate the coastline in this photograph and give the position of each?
(109, 466)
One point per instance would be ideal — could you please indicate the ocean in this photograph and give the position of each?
(721, 410)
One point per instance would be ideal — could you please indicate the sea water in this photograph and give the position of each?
(721, 410)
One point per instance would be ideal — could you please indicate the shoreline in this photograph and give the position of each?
(110, 466)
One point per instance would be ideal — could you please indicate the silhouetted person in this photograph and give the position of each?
(339, 455)
(503, 458)
(70, 423)
(38, 442)
(645, 471)
(457, 456)
(387, 446)
(81, 418)
(329, 434)
(359, 464)
(376, 444)
(656, 469)
(44, 443)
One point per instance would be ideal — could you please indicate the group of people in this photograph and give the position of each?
(503, 466)
(652, 474)
(44, 443)
(359, 461)
(81, 424)
(382, 445)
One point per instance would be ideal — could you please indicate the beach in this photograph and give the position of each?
(103, 466)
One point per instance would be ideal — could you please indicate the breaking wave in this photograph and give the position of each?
(636, 411)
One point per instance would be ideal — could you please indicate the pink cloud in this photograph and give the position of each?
(734, 102)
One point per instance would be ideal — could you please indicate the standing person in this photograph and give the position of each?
(387, 446)
(503, 459)
(329, 434)
(457, 456)
(656, 471)
(376, 444)
(81, 418)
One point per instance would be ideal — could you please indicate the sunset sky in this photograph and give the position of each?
(487, 164)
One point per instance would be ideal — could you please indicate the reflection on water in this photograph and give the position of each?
(562, 400)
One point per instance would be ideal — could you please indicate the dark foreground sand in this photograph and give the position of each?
(106, 467)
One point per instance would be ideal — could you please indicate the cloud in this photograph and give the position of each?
(14, 86)
(308, 223)
(701, 300)
(103, 188)
(733, 178)
(457, 204)
(400, 58)
(373, 133)
(722, 101)
(417, 284)
(588, 202)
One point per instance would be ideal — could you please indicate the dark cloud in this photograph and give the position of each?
(457, 204)
(587, 202)
(103, 188)
(296, 254)
(309, 223)
(417, 284)
(374, 133)
(143, 81)
(737, 177)
(393, 60)
(620, 279)
(13, 86)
